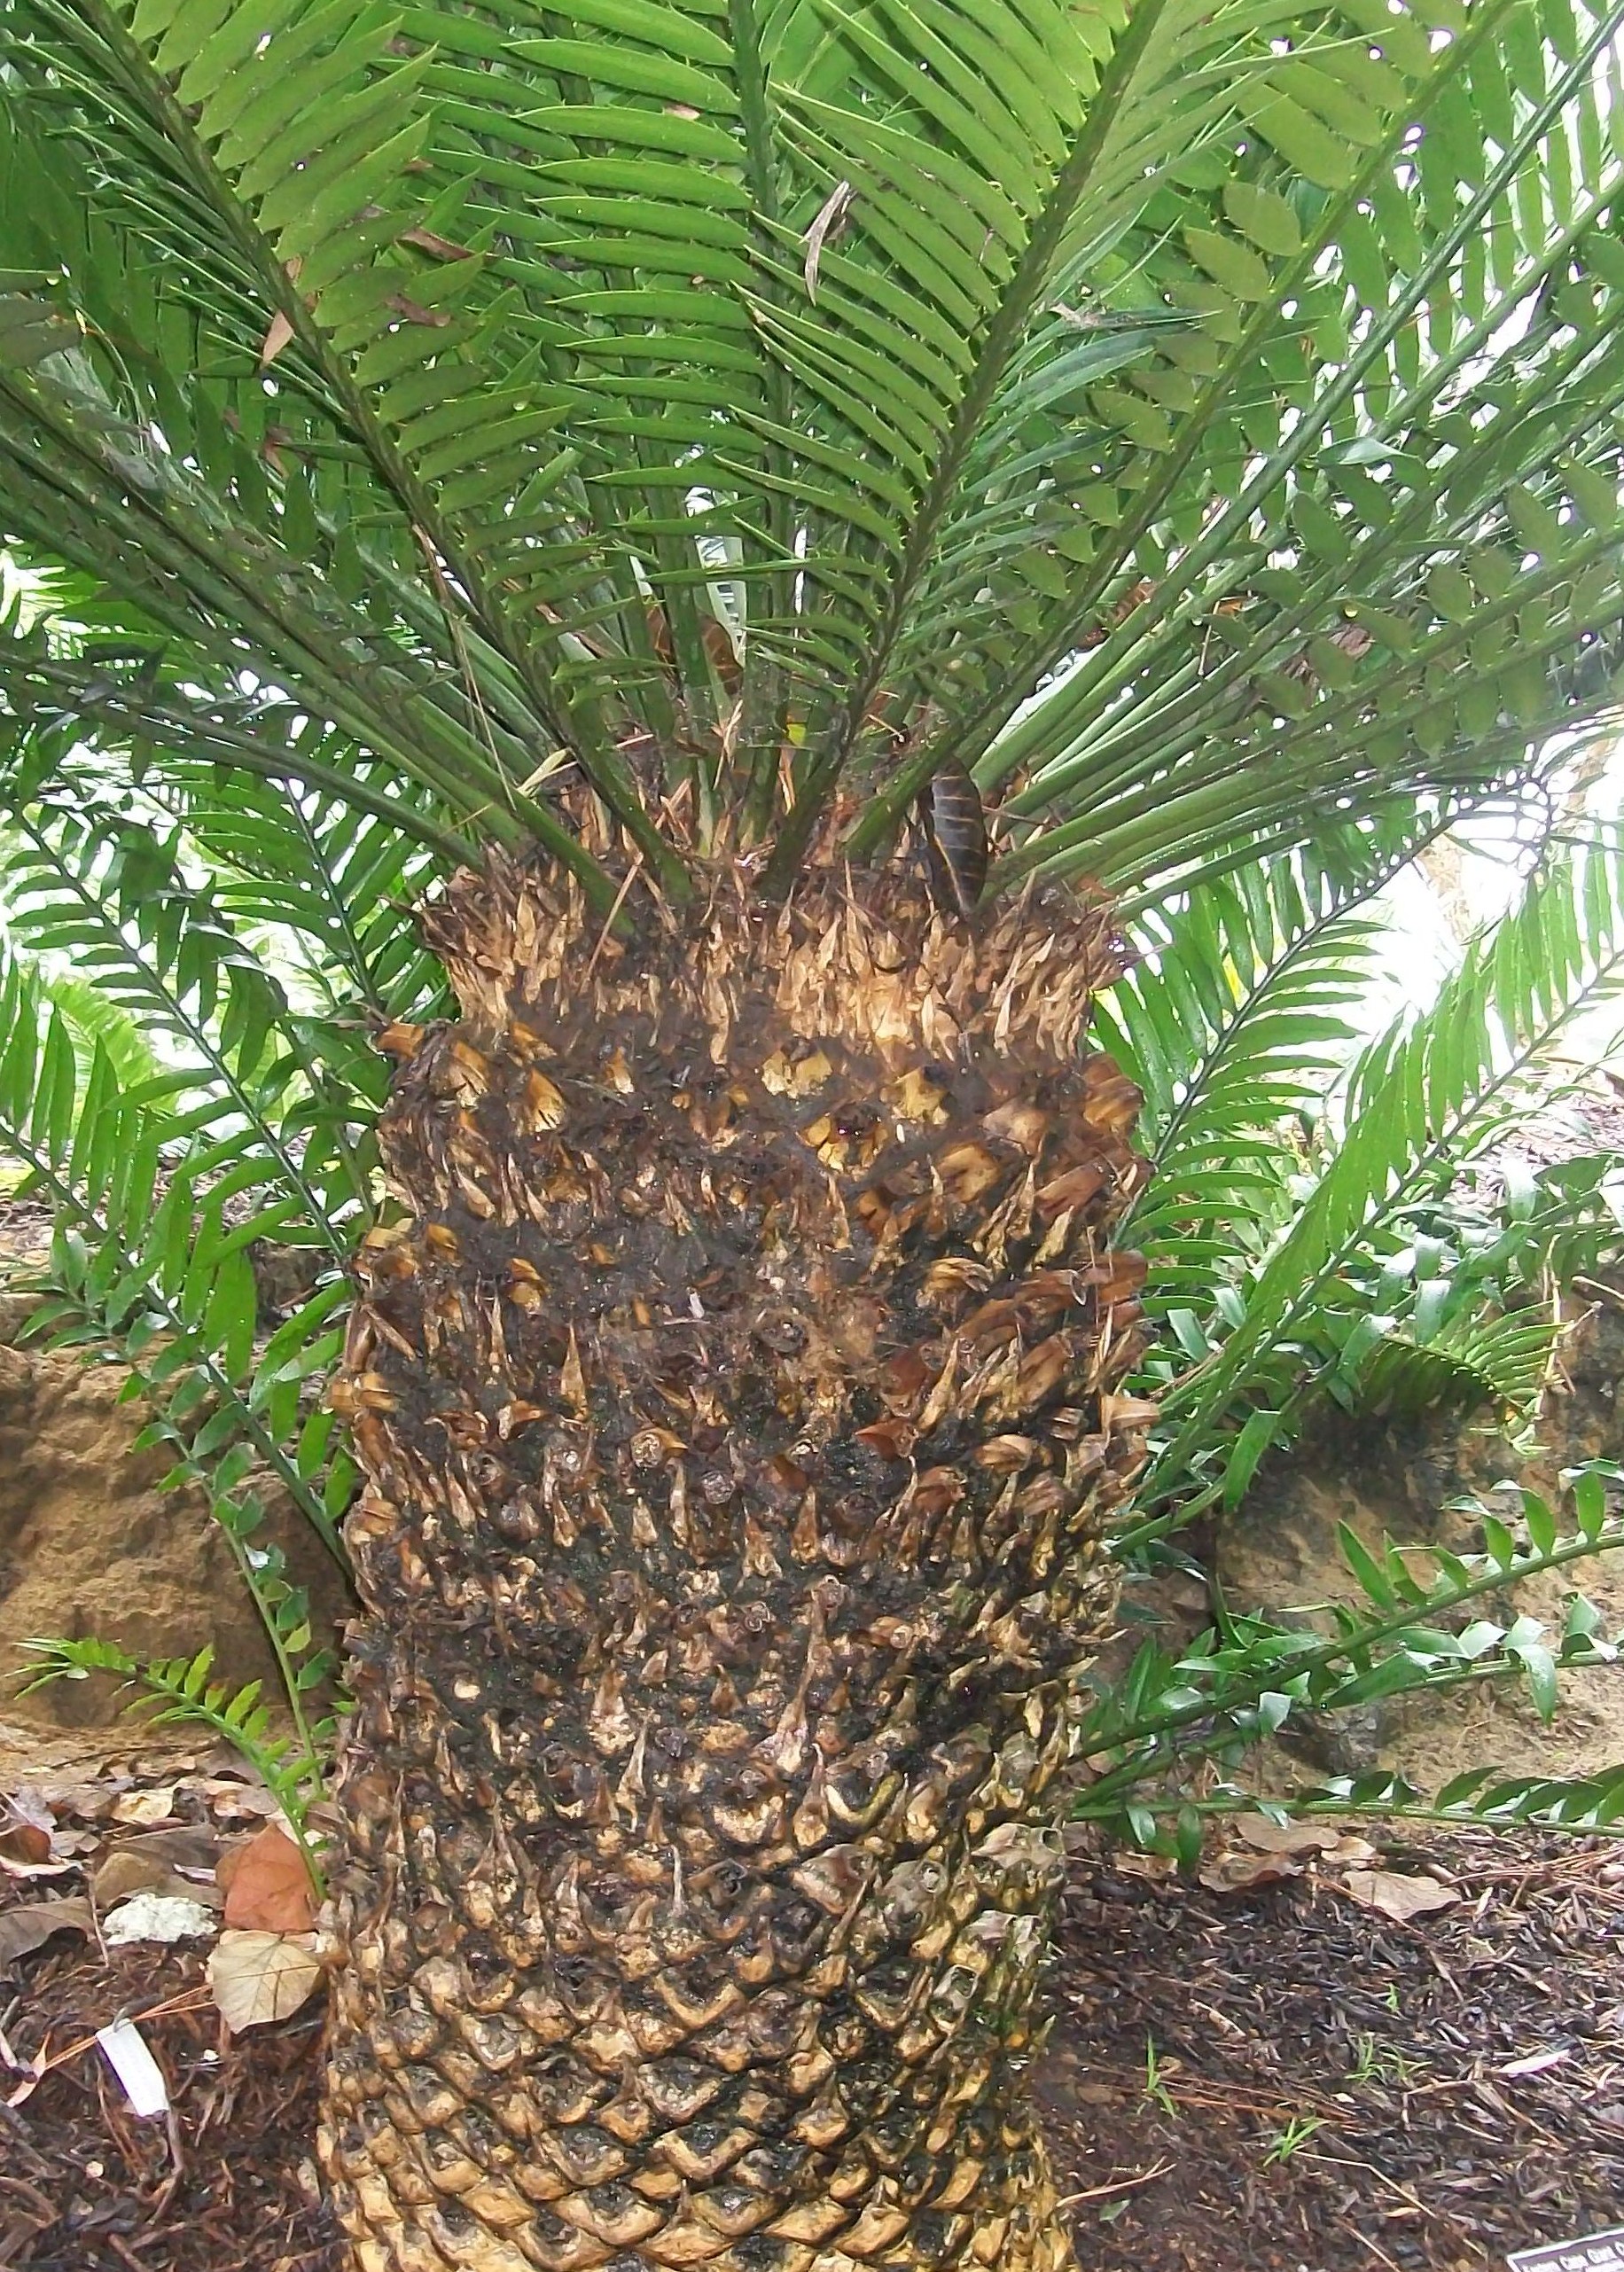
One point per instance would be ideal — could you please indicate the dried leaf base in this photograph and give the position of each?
(737, 1409)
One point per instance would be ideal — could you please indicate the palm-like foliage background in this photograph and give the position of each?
(1334, 1217)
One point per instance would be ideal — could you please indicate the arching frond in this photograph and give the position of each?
(1195, 418)
(1235, 1024)
(1422, 1099)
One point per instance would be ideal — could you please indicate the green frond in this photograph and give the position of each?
(258, 1130)
(1503, 1362)
(1196, 419)
(178, 1691)
(98, 1022)
(1416, 1620)
(1235, 1024)
(1421, 1101)
(1303, 530)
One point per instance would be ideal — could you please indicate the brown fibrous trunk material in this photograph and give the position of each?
(739, 1406)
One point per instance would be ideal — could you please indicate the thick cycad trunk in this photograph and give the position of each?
(737, 1410)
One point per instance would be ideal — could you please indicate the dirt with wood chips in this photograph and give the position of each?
(1324, 2058)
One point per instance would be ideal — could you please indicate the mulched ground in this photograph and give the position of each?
(1283, 2079)
(226, 2186)
(1239, 2081)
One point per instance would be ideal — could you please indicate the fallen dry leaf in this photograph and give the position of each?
(267, 1886)
(82, 1802)
(1269, 1837)
(1535, 2064)
(183, 1845)
(125, 1872)
(1398, 1897)
(26, 1852)
(235, 1801)
(415, 312)
(145, 1808)
(428, 240)
(1350, 1849)
(1239, 1872)
(826, 223)
(31, 1924)
(129, 1870)
(1156, 1867)
(27, 1836)
(27, 1805)
(68, 1845)
(258, 1977)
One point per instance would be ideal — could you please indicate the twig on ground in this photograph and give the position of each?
(1120, 2185)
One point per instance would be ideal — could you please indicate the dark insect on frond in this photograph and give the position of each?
(953, 829)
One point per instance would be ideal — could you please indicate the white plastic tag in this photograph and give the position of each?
(1593, 2254)
(125, 2049)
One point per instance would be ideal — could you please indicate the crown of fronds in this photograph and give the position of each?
(744, 408)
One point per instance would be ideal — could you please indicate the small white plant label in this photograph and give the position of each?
(126, 2052)
(1596, 2253)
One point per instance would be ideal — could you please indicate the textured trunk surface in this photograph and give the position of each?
(737, 1410)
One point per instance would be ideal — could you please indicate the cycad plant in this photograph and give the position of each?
(627, 465)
